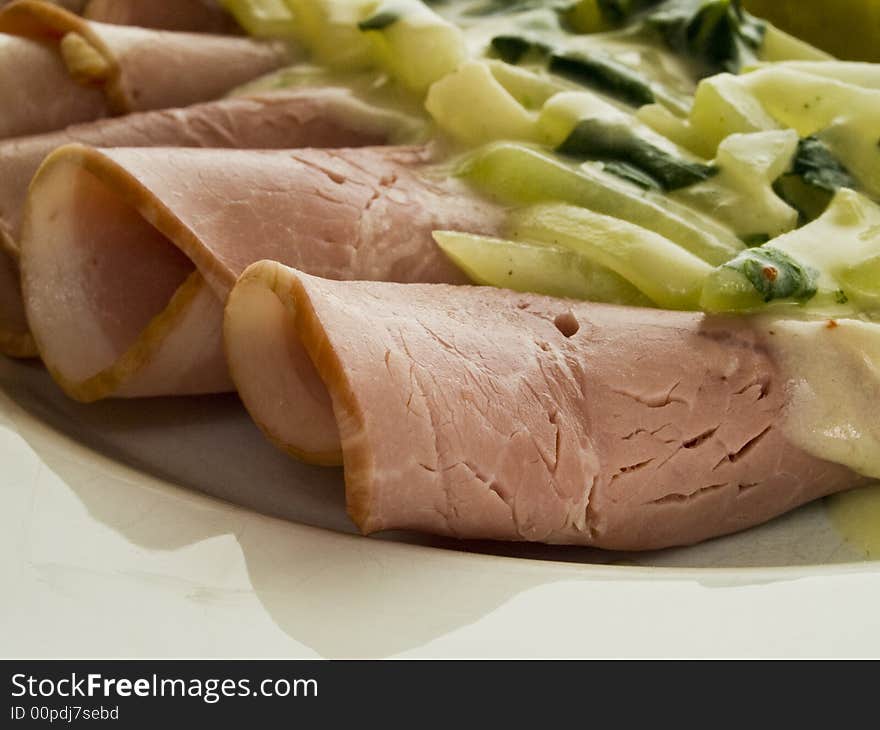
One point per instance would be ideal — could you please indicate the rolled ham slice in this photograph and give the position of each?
(74, 6)
(482, 413)
(195, 16)
(57, 69)
(127, 255)
(283, 120)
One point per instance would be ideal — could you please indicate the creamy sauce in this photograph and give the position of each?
(833, 371)
(672, 76)
(856, 515)
(380, 97)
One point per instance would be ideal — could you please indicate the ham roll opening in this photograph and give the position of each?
(128, 255)
(15, 338)
(282, 120)
(57, 69)
(483, 413)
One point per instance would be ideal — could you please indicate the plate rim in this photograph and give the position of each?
(18, 415)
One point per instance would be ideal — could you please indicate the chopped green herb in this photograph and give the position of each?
(840, 297)
(597, 72)
(380, 20)
(603, 74)
(593, 139)
(718, 33)
(815, 176)
(818, 166)
(513, 48)
(775, 274)
(632, 173)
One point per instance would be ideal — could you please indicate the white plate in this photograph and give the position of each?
(134, 529)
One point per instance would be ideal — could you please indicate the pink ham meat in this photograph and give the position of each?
(284, 120)
(57, 69)
(127, 255)
(199, 16)
(195, 16)
(482, 413)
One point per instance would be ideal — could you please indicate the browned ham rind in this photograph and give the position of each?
(282, 120)
(74, 6)
(127, 255)
(57, 69)
(15, 337)
(194, 16)
(482, 413)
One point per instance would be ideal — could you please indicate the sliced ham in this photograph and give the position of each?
(57, 69)
(74, 6)
(282, 120)
(127, 255)
(481, 413)
(196, 16)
